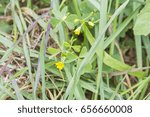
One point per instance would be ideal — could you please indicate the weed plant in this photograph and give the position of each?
(74, 49)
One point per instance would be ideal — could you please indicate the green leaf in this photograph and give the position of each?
(7, 90)
(5, 27)
(64, 12)
(67, 45)
(142, 24)
(117, 65)
(27, 95)
(70, 21)
(17, 90)
(52, 50)
(95, 3)
(83, 52)
(87, 69)
(86, 7)
(76, 48)
(114, 63)
(54, 21)
(19, 73)
(71, 57)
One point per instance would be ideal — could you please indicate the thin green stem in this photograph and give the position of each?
(77, 8)
(112, 46)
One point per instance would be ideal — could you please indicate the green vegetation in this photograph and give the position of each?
(75, 49)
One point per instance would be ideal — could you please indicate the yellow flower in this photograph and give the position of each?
(78, 30)
(59, 65)
(91, 23)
